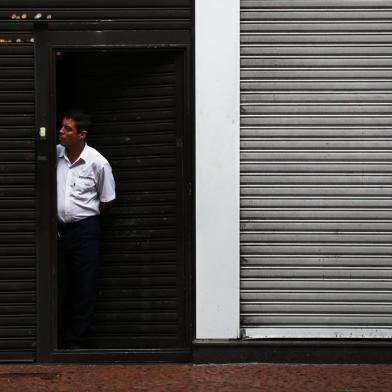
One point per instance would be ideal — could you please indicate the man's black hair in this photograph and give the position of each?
(82, 119)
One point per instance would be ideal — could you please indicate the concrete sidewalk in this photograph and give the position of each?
(203, 378)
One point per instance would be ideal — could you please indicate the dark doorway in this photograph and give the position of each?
(133, 100)
(139, 101)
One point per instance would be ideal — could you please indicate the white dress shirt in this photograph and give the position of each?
(82, 185)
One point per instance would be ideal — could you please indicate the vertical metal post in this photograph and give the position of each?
(45, 195)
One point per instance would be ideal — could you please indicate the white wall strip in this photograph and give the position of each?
(217, 168)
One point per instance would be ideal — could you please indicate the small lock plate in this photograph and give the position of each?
(42, 133)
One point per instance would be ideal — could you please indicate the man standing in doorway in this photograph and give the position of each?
(85, 186)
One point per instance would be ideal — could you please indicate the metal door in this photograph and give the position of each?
(138, 99)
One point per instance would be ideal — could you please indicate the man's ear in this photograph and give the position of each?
(83, 134)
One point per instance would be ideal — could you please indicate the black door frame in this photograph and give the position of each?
(46, 42)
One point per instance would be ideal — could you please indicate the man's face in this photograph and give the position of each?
(68, 134)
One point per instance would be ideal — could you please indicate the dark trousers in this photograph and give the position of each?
(78, 259)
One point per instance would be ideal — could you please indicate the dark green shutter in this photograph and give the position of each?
(132, 98)
(17, 203)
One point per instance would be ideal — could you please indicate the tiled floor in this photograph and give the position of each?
(205, 378)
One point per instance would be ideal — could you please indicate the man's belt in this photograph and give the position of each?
(71, 225)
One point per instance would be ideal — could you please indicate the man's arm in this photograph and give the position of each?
(106, 189)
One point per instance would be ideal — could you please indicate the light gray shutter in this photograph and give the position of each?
(316, 168)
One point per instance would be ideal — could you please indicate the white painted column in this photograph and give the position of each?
(217, 168)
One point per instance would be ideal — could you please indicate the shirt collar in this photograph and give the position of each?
(84, 153)
(82, 157)
(60, 151)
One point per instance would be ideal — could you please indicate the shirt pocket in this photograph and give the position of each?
(84, 185)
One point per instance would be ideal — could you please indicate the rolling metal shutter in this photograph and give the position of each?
(17, 198)
(17, 201)
(133, 100)
(316, 168)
